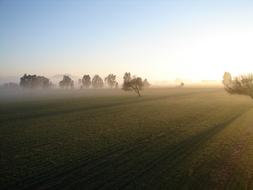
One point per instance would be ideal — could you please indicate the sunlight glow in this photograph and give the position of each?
(168, 41)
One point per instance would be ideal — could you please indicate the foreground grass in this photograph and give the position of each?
(167, 139)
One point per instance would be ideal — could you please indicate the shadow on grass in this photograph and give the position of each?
(110, 171)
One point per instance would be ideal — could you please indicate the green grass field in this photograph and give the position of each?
(166, 139)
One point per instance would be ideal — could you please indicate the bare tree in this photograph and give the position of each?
(110, 80)
(97, 82)
(66, 82)
(242, 85)
(86, 81)
(132, 84)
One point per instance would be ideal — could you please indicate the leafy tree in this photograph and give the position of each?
(66, 82)
(242, 85)
(97, 82)
(34, 81)
(86, 81)
(132, 84)
(110, 80)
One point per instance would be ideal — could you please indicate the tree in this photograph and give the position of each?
(127, 77)
(146, 84)
(110, 80)
(79, 82)
(86, 81)
(34, 81)
(132, 84)
(66, 82)
(242, 85)
(97, 82)
(126, 81)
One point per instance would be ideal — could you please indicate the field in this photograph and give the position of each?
(166, 139)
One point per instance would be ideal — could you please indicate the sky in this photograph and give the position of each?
(156, 39)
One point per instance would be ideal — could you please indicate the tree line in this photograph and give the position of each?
(130, 83)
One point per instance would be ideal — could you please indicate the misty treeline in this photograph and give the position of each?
(242, 84)
(130, 83)
(34, 81)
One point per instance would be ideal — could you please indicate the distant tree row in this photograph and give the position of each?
(98, 82)
(66, 82)
(34, 81)
(110, 80)
(242, 85)
(130, 83)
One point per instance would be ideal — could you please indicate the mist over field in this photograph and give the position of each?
(19, 95)
(109, 138)
(13, 95)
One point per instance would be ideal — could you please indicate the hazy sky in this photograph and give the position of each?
(158, 39)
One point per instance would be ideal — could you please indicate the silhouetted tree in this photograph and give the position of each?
(181, 84)
(132, 84)
(110, 80)
(33, 81)
(97, 82)
(242, 85)
(66, 82)
(86, 81)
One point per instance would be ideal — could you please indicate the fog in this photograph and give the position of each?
(21, 95)
(29, 95)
